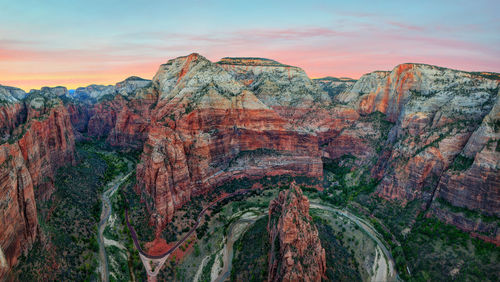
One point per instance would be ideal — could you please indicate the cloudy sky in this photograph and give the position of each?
(76, 43)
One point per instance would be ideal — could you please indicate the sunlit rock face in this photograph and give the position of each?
(36, 141)
(442, 137)
(208, 128)
(296, 253)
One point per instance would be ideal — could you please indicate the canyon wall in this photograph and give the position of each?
(39, 140)
(201, 123)
(208, 128)
(428, 134)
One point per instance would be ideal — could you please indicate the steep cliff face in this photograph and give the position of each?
(478, 165)
(425, 132)
(119, 113)
(431, 135)
(207, 128)
(12, 111)
(253, 117)
(29, 157)
(296, 253)
(473, 182)
(285, 89)
(435, 111)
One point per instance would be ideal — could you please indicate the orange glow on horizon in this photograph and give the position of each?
(74, 80)
(70, 81)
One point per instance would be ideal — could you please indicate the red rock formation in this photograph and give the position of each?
(207, 129)
(28, 162)
(118, 113)
(133, 121)
(296, 253)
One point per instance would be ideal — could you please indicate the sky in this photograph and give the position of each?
(77, 43)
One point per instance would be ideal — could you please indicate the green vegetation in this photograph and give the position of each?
(68, 221)
(340, 189)
(442, 252)
(429, 248)
(468, 213)
(250, 261)
(340, 263)
(461, 163)
(67, 250)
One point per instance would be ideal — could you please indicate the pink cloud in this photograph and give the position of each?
(319, 51)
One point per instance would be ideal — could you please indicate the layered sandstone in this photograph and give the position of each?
(204, 123)
(118, 113)
(34, 149)
(208, 128)
(296, 253)
(434, 118)
(200, 124)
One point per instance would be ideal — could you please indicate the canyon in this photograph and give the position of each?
(421, 133)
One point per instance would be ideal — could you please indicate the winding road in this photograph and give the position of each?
(158, 260)
(105, 213)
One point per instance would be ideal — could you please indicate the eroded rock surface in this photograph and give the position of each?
(38, 141)
(296, 253)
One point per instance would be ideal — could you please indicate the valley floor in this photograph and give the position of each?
(366, 238)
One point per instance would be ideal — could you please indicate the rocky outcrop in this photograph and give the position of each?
(424, 132)
(12, 111)
(285, 89)
(473, 183)
(296, 253)
(474, 179)
(35, 148)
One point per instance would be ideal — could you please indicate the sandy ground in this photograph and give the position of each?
(217, 267)
(110, 242)
(379, 266)
(200, 269)
(235, 231)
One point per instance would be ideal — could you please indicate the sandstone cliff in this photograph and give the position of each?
(118, 113)
(434, 136)
(207, 128)
(38, 142)
(296, 253)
